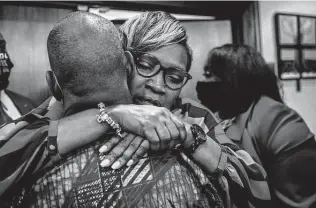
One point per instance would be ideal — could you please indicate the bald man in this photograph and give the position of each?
(88, 66)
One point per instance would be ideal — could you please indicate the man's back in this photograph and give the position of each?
(157, 181)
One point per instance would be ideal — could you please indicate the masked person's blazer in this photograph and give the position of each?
(277, 138)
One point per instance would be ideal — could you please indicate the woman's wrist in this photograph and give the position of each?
(104, 118)
(208, 155)
(189, 139)
(85, 129)
(114, 113)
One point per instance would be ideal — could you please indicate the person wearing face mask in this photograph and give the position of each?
(198, 173)
(245, 93)
(13, 105)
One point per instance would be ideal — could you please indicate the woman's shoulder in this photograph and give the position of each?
(268, 107)
(185, 101)
(196, 110)
(277, 121)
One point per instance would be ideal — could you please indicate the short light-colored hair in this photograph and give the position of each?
(153, 30)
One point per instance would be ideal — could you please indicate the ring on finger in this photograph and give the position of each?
(176, 147)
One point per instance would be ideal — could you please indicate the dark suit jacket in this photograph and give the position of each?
(278, 139)
(22, 103)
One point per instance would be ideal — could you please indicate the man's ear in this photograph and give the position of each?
(54, 85)
(131, 62)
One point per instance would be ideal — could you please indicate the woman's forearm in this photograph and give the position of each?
(207, 155)
(78, 130)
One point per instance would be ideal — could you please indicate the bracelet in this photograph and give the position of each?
(104, 117)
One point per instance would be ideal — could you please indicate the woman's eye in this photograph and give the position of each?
(175, 78)
(144, 65)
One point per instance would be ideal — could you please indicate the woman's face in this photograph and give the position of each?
(153, 90)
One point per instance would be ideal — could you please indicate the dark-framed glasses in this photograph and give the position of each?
(149, 66)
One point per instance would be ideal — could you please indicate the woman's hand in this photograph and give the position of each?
(123, 151)
(156, 124)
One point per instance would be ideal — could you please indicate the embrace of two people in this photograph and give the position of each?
(170, 151)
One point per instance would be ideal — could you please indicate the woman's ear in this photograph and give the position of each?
(54, 85)
(131, 63)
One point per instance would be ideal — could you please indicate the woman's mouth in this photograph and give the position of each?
(146, 101)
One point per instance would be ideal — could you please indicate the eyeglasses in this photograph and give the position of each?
(149, 66)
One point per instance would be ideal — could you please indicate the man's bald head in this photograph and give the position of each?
(86, 55)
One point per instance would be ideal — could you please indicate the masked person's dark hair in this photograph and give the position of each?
(243, 75)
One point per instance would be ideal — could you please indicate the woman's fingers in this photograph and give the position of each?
(164, 137)
(110, 144)
(117, 151)
(140, 153)
(177, 112)
(152, 136)
(174, 133)
(180, 127)
(128, 153)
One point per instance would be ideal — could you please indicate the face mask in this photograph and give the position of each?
(217, 96)
(5, 68)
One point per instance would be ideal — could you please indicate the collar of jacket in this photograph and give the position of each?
(236, 129)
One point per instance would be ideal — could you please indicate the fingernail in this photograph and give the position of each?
(103, 149)
(105, 163)
(130, 162)
(116, 165)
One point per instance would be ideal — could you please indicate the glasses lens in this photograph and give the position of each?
(147, 66)
(175, 78)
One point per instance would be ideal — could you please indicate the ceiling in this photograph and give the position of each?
(218, 9)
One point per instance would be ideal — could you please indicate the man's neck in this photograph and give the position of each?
(78, 107)
(74, 104)
(55, 109)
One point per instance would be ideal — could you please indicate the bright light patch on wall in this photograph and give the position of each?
(116, 14)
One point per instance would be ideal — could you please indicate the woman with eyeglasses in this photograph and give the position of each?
(156, 44)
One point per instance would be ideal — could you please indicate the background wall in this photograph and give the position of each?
(304, 102)
(25, 30)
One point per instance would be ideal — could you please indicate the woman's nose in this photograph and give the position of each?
(157, 83)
